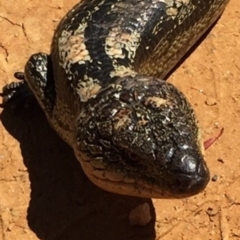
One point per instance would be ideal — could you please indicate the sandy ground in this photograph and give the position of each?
(43, 191)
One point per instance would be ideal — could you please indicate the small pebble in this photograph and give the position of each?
(220, 160)
(140, 216)
(215, 178)
(211, 101)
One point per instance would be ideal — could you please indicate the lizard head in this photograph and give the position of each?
(141, 138)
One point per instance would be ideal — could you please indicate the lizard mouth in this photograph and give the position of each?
(172, 185)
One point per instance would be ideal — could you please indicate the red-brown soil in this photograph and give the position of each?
(43, 191)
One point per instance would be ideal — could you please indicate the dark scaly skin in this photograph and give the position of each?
(132, 133)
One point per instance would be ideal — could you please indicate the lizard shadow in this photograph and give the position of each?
(64, 204)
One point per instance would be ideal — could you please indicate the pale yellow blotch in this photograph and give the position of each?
(78, 51)
(126, 37)
(115, 42)
(142, 122)
(122, 119)
(122, 122)
(122, 71)
(72, 47)
(157, 101)
(89, 91)
(172, 11)
(117, 53)
(185, 2)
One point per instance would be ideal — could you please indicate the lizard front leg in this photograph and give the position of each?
(36, 80)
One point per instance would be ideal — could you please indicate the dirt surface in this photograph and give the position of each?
(43, 191)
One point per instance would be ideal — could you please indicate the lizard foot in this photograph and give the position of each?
(16, 94)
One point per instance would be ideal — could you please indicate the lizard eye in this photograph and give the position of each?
(131, 157)
(134, 157)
